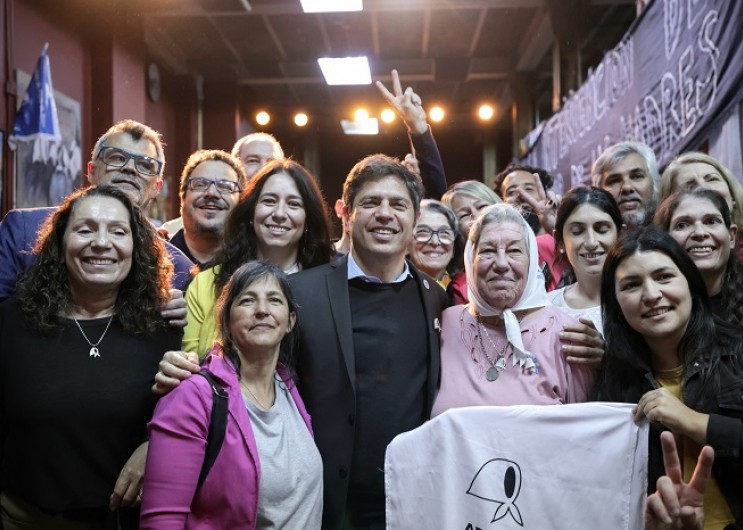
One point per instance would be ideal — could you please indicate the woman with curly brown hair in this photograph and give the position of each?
(281, 217)
(79, 343)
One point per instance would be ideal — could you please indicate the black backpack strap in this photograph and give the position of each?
(217, 426)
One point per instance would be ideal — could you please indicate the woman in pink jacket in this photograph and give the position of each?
(268, 472)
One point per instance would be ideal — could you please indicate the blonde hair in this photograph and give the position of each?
(668, 180)
(473, 188)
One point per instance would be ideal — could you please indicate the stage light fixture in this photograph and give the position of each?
(486, 112)
(436, 114)
(300, 119)
(388, 115)
(262, 118)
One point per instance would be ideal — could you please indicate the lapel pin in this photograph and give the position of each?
(425, 283)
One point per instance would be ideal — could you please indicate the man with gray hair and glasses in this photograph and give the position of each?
(129, 156)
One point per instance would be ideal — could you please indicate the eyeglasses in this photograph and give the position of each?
(201, 184)
(115, 157)
(425, 234)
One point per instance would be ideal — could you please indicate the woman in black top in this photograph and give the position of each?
(666, 352)
(79, 344)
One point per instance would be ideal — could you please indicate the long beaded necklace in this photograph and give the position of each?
(94, 347)
(498, 364)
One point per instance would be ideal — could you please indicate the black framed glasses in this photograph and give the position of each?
(425, 234)
(201, 184)
(115, 157)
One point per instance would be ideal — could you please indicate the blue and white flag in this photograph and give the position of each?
(36, 120)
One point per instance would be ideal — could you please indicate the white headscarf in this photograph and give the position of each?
(534, 295)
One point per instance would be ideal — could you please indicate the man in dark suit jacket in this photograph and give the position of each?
(129, 156)
(368, 358)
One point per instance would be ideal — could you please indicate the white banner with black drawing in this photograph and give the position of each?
(571, 467)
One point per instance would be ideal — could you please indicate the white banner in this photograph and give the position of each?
(566, 467)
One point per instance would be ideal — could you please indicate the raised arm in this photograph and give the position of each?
(409, 108)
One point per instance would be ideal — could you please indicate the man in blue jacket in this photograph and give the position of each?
(129, 156)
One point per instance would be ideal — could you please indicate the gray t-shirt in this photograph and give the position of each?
(290, 486)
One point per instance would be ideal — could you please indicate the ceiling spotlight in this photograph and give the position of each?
(262, 118)
(331, 6)
(300, 119)
(486, 112)
(368, 126)
(388, 115)
(361, 115)
(436, 114)
(345, 70)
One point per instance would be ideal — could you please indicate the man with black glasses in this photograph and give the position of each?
(211, 182)
(128, 156)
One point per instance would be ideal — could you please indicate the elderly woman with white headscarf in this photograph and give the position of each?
(503, 348)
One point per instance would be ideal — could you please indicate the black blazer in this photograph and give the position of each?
(326, 368)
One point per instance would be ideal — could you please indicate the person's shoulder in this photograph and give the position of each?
(554, 312)
(557, 297)
(307, 276)
(28, 215)
(9, 307)
(454, 312)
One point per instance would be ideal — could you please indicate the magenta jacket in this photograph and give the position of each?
(229, 495)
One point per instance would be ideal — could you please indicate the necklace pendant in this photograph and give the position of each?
(492, 373)
(94, 352)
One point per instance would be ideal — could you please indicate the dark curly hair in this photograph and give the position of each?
(544, 176)
(731, 293)
(243, 278)
(45, 293)
(240, 241)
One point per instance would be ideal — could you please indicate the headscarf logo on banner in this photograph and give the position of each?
(499, 481)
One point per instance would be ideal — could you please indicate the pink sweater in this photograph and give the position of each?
(463, 381)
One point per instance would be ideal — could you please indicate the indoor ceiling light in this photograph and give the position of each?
(345, 70)
(367, 126)
(262, 118)
(436, 114)
(300, 119)
(330, 6)
(486, 112)
(388, 116)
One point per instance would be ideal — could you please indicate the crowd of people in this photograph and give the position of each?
(287, 364)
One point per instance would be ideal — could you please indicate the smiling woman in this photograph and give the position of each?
(701, 223)
(432, 248)
(78, 347)
(281, 217)
(268, 473)
(667, 353)
(588, 223)
(503, 348)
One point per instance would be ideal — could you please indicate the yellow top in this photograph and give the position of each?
(717, 514)
(201, 302)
